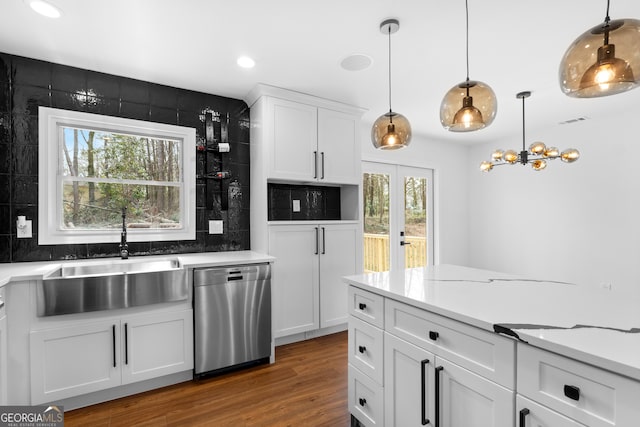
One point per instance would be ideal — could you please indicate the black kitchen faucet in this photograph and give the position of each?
(124, 248)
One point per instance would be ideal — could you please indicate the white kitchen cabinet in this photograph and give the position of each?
(531, 414)
(80, 359)
(466, 399)
(408, 384)
(157, 344)
(436, 370)
(308, 292)
(305, 138)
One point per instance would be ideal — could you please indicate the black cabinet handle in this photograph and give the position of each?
(324, 243)
(315, 165)
(113, 333)
(362, 401)
(423, 379)
(433, 335)
(362, 306)
(126, 343)
(316, 253)
(572, 392)
(523, 414)
(322, 158)
(362, 348)
(437, 388)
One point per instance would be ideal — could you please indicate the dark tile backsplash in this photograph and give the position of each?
(316, 203)
(26, 84)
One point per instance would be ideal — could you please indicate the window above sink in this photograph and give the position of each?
(91, 166)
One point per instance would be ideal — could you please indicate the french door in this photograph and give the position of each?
(398, 216)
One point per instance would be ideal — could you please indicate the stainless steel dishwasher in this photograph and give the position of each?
(232, 311)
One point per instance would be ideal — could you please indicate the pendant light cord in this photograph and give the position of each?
(390, 111)
(606, 25)
(466, 8)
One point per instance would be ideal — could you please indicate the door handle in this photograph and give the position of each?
(113, 333)
(315, 165)
(322, 160)
(403, 243)
(126, 343)
(437, 388)
(423, 391)
(324, 243)
(317, 251)
(523, 414)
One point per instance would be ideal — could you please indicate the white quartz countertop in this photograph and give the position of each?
(36, 270)
(596, 326)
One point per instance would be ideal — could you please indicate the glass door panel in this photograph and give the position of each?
(376, 203)
(415, 221)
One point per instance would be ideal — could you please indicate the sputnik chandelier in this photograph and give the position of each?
(537, 155)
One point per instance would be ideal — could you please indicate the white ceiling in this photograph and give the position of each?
(515, 45)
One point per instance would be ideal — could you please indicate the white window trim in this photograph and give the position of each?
(50, 187)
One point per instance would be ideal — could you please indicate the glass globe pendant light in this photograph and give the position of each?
(537, 155)
(391, 130)
(470, 105)
(593, 65)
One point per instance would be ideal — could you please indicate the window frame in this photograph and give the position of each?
(50, 171)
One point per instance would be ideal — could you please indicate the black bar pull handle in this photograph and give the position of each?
(362, 348)
(126, 343)
(322, 158)
(423, 390)
(362, 401)
(403, 243)
(437, 388)
(113, 333)
(572, 392)
(362, 306)
(315, 165)
(433, 335)
(324, 242)
(316, 253)
(523, 415)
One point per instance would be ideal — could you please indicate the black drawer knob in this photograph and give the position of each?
(362, 348)
(362, 401)
(572, 392)
(433, 335)
(362, 306)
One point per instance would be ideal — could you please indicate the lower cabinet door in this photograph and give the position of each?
(74, 360)
(465, 399)
(156, 344)
(530, 414)
(408, 384)
(3, 360)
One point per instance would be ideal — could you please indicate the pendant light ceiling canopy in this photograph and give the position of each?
(604, 60)
(391, 130)
(470, 105)
(538, 154)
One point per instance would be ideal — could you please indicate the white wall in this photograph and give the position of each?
(572, 222)
(449, 162)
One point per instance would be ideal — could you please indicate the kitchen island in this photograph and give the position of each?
(426, 342)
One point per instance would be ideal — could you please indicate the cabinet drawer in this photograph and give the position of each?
(487, 354)
(365, 398)
(365, 348)
(590, 395)
(367, 306)
(530, 414)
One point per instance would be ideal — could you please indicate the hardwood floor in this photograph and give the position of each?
(307, 386)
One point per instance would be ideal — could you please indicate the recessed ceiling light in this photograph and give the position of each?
(44, 8)
(356, 62)
(246, 62)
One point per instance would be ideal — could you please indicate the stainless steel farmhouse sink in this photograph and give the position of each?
(110, 285)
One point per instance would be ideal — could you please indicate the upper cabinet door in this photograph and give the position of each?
(338, 147)
(294, 149)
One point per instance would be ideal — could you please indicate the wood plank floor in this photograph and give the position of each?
(307, 386)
